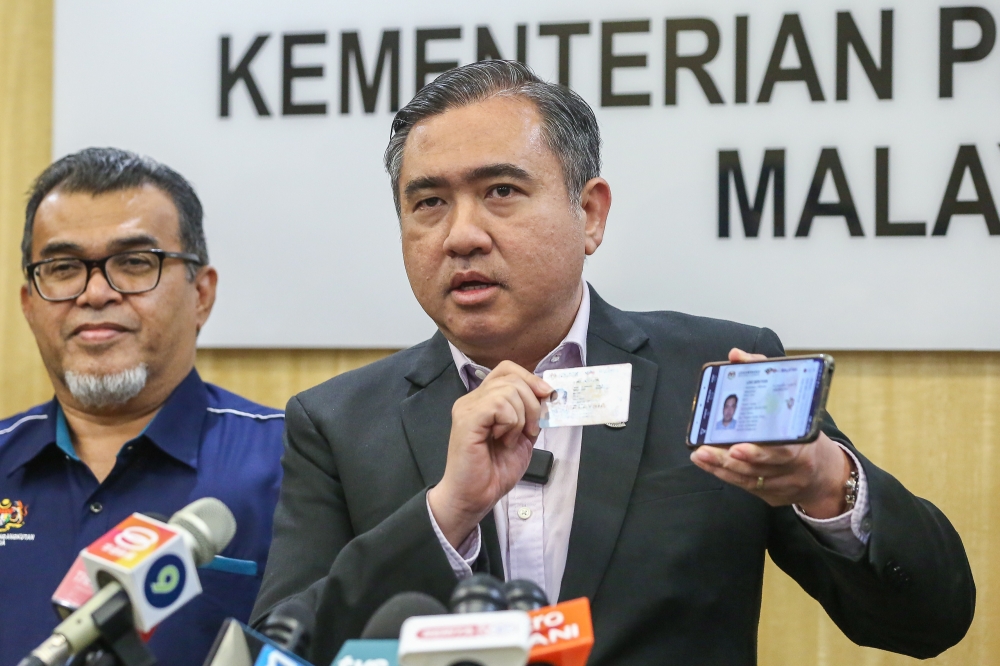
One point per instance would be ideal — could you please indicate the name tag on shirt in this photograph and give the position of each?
(587, 396)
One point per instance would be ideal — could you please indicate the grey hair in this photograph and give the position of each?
(568, 123)
(98, 391)
(100, 170)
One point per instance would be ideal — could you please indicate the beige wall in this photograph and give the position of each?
(932, 419)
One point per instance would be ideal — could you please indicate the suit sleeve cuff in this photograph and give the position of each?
(462, 558)
(849, 532)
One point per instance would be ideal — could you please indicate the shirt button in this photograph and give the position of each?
(555, 359)
(524, 513)
(96, 507)
(866, 524)
(480, 373)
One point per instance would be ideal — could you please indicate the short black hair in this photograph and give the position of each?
(568, 123)
(100, 170)
(729, 397)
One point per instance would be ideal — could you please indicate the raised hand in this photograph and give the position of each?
(493, 430)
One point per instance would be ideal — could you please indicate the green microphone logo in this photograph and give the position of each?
(167, 580)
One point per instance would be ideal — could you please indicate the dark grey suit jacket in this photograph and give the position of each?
(671, 558)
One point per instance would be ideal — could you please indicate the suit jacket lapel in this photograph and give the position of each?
(609, 457)
(426, 415)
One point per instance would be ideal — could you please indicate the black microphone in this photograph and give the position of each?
(386, 622)
(283, 638)
(290, 626)
(524, 595)
(480, 593)
(379, 642)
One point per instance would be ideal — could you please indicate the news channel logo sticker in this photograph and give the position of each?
(270, 656)
(165, 581)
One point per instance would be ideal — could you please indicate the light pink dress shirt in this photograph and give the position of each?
(533, 521)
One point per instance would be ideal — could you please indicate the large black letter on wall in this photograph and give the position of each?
(289, 72)
(350, 45)
(729, 163)
(695, 63)
(487, 49)
(742, 59)
(563, 31)
(791, 28)
(883, 227)
(230, 77)
(610, 62)
(949, 55)
(967, 160)
(829, 162)
(848, 36)
(423, 67)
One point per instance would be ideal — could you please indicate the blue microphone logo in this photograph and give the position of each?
(165, 581)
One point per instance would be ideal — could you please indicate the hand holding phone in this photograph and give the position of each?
(810, 475)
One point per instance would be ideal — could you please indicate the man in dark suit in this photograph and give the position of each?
(407, 474)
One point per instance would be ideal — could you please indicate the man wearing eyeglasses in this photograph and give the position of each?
(117, 288)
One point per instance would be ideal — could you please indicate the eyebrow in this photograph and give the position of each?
(117, 245)
(499, 170)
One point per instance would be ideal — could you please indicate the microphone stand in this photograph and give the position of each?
(119, 644)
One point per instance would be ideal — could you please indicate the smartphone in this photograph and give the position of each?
(775, 401)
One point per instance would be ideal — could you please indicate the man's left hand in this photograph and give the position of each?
(809, 475)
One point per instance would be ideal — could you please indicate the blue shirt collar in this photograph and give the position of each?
(175, 430)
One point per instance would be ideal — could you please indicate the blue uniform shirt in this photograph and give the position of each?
(204, 442)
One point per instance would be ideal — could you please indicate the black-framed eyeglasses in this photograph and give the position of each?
(133, 272)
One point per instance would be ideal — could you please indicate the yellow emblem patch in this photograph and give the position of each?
(12, 514)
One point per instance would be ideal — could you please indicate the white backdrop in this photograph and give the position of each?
(299, 215)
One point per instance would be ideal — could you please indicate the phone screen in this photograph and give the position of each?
(772, 401)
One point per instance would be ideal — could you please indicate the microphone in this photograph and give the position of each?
(561, 635)
(524, 595)
(481, 633)
(145, 570)
(282, 641)
(379, 643)
(75, 589)
(480, 593)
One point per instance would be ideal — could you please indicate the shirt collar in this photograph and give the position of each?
(37, 438)
(175, 430)
(570, 353)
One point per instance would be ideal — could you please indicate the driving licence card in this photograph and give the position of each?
(587, 396)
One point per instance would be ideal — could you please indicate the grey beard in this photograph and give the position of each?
(96, 391)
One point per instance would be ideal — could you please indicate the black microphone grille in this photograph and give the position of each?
(481, 593)
(524, 595)
(386, 622)
(290, 626)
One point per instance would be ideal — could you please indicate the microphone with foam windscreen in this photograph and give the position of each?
(145, 570)
(524, 595)
(480, 633)
(283, 639)
(379, 643)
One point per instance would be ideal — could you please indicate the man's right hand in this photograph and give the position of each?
(493, 430)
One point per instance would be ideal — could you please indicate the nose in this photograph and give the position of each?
(98, 293)
(467, 233)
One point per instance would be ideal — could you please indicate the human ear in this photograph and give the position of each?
(595, 202)
(205, 283)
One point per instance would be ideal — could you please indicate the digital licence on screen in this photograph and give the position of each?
(756, 402)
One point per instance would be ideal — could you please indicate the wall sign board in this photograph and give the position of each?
(827, 169)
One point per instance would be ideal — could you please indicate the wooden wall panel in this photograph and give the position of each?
(931, 419)
(25, 147)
